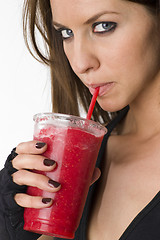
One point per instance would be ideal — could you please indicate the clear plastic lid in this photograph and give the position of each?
(59, 120)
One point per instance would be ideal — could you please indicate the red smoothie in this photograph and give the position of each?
(75, 150)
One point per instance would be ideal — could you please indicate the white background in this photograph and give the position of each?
(24, 82)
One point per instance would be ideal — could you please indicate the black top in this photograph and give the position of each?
(145, 226)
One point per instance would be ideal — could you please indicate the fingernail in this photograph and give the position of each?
(46, 200)
(40, 145)
(53, 183)
(48, 162)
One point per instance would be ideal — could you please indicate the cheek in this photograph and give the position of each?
(68, 50)
(132, 65)
(132, 57)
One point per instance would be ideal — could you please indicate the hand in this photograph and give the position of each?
(29, 157)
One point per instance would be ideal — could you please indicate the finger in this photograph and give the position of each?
(31, 147)
(37, 162)
(25, 200)
(96, 175)
(24, 177)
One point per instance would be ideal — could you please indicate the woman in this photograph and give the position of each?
(114, 44)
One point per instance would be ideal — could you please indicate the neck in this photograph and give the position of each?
(143, 118)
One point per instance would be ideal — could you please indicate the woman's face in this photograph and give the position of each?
(113, 44)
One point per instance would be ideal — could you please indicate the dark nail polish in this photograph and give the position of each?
(46, 200)
(48, 162)
(53, 183)
(40, 145)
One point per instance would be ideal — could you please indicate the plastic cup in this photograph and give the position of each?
(74, 143)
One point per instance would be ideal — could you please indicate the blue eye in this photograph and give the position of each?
(66, 33)
(102, 27)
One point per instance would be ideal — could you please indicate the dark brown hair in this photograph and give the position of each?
(68, 92)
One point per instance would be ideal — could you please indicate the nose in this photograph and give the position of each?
(83, 58)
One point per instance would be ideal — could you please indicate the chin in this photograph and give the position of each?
(112, 107)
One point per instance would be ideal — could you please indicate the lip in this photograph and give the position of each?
(103, 88)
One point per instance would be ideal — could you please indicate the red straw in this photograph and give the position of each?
(92, 104)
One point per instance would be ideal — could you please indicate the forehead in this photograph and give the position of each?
(76, 12)
(61, 8)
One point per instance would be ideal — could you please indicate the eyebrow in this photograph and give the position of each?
(90, 20)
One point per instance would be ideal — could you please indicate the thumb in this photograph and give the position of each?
(96, 175)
